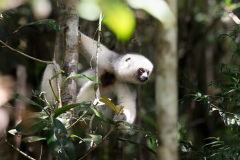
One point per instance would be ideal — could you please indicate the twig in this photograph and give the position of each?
(39, 60)
(97, 93)
(58, 85)
(219, 109)
(84, 113)
(104, 139)
(231, 14)
(18, 150)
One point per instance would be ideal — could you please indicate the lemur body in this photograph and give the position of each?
(118, 73)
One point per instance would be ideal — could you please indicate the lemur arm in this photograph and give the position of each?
(127, 97)
(88, 48)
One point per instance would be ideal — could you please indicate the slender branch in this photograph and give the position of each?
(84, 113)
(97, 55)
(231, 14)
(58, 85)
(104, 139)
(39, 60)
(18, 150)
(219, 109)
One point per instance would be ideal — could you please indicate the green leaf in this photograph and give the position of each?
(63, 149)
(33, 139)
(227, 2)
(31, 126)
(119, 18)
(212, 144)
(215, 138)
(49, 22)
(120, 110)
(91, 78)
(99, 114)
(64, 109)
(94, 137)
(56, 129)
(59, 125)
(157, 8)
(109, 104)
(52, 135)
(60, 146)
(75, 136)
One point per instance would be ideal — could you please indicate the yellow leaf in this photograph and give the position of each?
(109, 104)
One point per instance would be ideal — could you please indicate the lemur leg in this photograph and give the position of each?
(45, 86)
(127, 98)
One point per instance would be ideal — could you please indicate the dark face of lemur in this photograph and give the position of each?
(143, 74)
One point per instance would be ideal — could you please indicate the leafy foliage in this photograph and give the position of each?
(117, 16)
(31, 126)
(227, 104)
(120, 18)
(57, 129)
(51, 125)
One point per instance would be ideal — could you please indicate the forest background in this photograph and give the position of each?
(208, 51)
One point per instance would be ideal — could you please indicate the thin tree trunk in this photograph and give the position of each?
(166, 90)
(70, 64)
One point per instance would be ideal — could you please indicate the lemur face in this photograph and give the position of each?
(134, 68)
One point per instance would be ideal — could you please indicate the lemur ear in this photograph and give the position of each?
(128, 59)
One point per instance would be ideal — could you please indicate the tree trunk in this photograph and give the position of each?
(70, 65)
(166, 90)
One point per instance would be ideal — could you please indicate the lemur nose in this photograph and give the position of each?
(145, 78)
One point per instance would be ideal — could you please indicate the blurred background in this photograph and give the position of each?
(204, 44)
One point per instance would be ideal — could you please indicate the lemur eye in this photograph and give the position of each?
(140, 70)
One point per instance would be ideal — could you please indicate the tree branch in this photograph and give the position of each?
(18, 150)
(231, 14)
(97, 92)
(77, 120)
(39, 60)
(104, 139)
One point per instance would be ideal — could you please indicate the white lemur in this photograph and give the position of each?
(117, 73)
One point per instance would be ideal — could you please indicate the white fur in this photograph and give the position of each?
(45, 86)
(124, 67)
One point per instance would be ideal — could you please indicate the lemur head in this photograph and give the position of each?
(133, 68)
